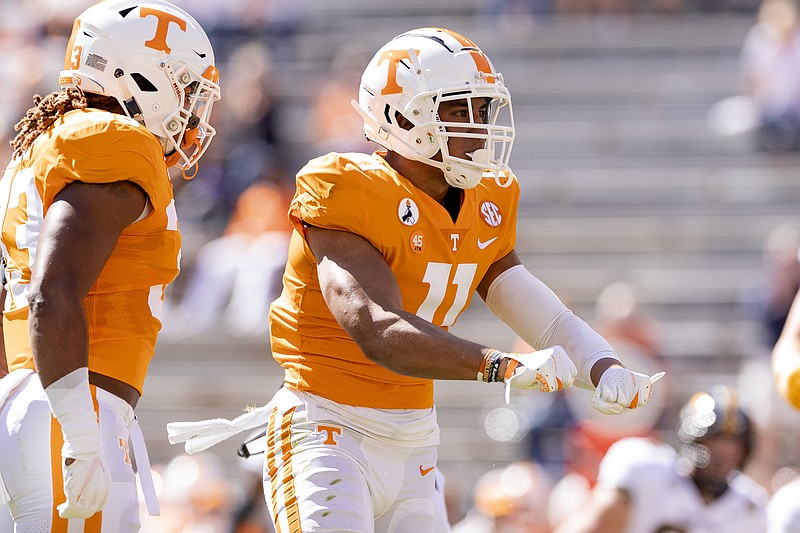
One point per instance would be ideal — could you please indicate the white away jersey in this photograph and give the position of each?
(783, 511)
(661, 496)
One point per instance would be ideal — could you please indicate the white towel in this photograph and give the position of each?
(204, 434)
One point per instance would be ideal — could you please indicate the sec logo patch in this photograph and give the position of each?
(408, 212)
(490, 214)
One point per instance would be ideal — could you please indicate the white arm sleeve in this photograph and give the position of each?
(536, 314)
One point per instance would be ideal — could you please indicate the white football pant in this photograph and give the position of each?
(30, 469)
(331, 467)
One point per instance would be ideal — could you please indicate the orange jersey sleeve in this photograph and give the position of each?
(437, 263)
(122, 307)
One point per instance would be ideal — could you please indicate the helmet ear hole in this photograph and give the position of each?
(145, 85)
(402, 121)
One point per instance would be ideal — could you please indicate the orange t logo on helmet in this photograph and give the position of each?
(394, 57)
(159, 42)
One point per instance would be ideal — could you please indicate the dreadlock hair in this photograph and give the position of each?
(44, 113)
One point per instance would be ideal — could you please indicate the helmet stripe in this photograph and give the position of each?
(481, 61)
(212, 74)
(70, 61)
(460, 38)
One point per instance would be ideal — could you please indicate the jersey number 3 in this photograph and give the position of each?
(437, 276)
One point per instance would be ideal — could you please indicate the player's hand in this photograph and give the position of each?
(87, 478)
(87, 481)
(620, 389)
(547, 370)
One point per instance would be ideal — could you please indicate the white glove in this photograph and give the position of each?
(620, 389)
(87, 478)
(547, 370)
(86, 485)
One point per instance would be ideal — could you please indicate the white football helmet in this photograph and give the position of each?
(157, 61)
(412, 75)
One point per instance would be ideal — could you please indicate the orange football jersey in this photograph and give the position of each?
(123, 306)
(437, 263)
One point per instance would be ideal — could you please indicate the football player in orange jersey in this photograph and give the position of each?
(386, 253)
(786, 357)
(90, 240)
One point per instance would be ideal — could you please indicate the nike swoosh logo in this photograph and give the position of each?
(425, 471)
(484, 244)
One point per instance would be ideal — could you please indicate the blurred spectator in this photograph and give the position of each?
(515, 19)
(623, 321)
(620, 317)
(596, 6)
(251, 515)
(768, 308)
(785, 361)
(566, 435)
(645, 486)
(249, 151)
(509, 500)
(237, 212)
(30, 58)
(549, 422)
(237, 275)
(195, 496)
(273, 22)
(770, 62)
(781, 281)
(332, 123)
(450, 492)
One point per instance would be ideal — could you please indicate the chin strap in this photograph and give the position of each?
(188, 177)
(499, 176)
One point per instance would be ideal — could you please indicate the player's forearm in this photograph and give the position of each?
(539, 317)
(58, 335)
(409, 345)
